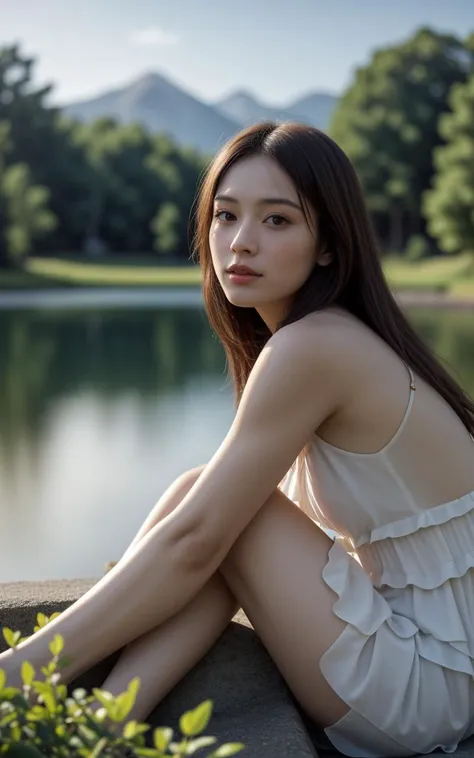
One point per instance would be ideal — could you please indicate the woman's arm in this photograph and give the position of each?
(297, 382)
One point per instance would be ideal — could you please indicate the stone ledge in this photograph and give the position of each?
(252, 703)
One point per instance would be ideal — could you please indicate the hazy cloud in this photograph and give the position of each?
(153, 36)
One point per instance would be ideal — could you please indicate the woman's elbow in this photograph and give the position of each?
(196, 546)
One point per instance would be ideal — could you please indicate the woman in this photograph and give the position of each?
(341, 407)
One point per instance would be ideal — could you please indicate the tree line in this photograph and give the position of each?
(406, 121)
(68, 187)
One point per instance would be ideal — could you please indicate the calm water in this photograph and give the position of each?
(100, 410)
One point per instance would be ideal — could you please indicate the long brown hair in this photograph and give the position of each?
(325, 178)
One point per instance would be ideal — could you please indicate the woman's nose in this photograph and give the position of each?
(243, 242)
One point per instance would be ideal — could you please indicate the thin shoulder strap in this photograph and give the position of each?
(412, 379)
(411, 398)
(408, 408)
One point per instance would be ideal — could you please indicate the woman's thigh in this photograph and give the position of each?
(275, 571)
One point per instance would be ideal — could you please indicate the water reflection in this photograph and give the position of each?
(101, 410)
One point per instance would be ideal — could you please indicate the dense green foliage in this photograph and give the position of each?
(388, 123)
(66, 186)
(406, 122)
(42, 720)
(449, 206)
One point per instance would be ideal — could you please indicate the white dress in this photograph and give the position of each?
(403, 573)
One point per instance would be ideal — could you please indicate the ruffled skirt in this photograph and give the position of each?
(403, 664)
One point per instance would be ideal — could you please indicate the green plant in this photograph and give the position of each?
(40, 719)
(418, 248)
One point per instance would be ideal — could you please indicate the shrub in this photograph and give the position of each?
(40, 719)
(418, 248)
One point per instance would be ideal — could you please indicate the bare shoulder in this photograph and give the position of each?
(304, 365)
(326, 341)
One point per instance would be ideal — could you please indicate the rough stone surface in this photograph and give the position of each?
(252, 703)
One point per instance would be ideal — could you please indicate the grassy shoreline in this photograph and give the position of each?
(451, 276)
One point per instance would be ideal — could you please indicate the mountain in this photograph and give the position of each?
(245, 109)
(315, 109)
(161, 106)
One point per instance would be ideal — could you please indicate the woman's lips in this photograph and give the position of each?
(242, 278)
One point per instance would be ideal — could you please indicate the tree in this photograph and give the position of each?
(387, 123)
(180, 170)
(40, 138)
(4, 147)
(24, 212)
(449, 205)
(109, 184)
(27, 214)
(126, 189)
(165, 228)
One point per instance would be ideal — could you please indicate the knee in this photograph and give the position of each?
(189, 477)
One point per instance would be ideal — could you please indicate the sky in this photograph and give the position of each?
(277, 50)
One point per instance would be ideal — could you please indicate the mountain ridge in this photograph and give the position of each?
(155, 101)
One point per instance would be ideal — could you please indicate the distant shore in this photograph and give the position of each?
(181, 297)
(441, 282)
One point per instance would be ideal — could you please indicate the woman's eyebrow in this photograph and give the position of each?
(263, 201)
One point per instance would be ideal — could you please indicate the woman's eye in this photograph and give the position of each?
(279, 219)
(217, 215)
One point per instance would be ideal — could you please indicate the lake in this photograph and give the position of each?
(102, 408)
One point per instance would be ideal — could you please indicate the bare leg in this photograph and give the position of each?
(165, 654)
(132, 600)
(162, 656)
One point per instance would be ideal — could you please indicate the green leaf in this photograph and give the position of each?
(57, 645)
(37, 713)
(49, 701)
(225, 750)
(86, 733)
(104, 697)
(122, 706)
(15, 731)
(8, 693)
(194, 722)
(134, 687)
(133, 729)
(178, 748)
(27, 673)
(199, 743)
(61, 691)
(98, 748)
(11, 638)
(49, 669)
(42, 619)
(3, 679)
(7, 718)
(162, 738)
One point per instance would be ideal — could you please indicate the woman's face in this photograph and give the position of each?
(259, 223)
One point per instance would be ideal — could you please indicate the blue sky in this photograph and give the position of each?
(277, 49)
